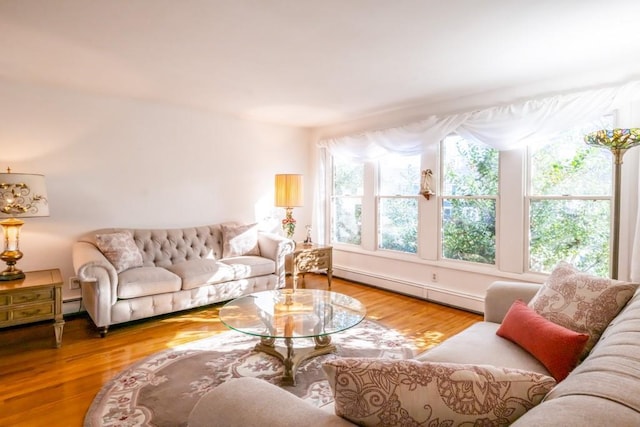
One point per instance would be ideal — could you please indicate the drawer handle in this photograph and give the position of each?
(28, 313)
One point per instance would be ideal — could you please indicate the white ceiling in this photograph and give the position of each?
(316, 62)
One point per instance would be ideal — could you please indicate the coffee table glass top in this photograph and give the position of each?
(289, 313)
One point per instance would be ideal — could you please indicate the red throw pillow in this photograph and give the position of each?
(555, 346)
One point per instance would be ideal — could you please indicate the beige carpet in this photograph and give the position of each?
(162, 389)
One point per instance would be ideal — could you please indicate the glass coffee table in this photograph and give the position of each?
(293, 314)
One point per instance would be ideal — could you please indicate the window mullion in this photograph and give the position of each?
(511, 246)
(369, 202)
(429, 210)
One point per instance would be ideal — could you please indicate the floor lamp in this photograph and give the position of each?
(618, 141)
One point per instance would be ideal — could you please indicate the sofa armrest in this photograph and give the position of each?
(276, 247)
(250, 401)
(99, 281)
(501, 295)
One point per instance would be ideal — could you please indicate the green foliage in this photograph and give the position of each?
(347, 220)
(398, 224)
(573, 230)
(469, 224)
(398, 207)
(469, 232)
(565, 224)
(348, 181)
(470, 168)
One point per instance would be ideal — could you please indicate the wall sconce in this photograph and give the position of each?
(618, 141)
(289, 194)
(425, 183)
(21, 195)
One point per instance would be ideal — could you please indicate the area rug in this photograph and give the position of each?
(162, 389)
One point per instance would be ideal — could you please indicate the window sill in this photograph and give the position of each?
(487, 270)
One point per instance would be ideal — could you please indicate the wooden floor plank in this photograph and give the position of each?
(44, 386)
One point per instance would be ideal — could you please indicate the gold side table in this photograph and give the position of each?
(311, 257)
(35, 298)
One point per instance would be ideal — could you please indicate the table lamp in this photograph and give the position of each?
(618, 141)
(21, 195)
(288, 195)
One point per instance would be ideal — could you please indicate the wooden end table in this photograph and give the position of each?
(310, 257)
(35, 298)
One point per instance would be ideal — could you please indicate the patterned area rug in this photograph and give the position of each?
(162, 389)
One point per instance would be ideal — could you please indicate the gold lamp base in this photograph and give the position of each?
(11, 273)
(11, 253)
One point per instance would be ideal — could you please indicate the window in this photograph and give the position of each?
(553, 203)
(398, 187)
(468, 203)
(569, 201)
(346, 206)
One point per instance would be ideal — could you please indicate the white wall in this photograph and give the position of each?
(112, 162)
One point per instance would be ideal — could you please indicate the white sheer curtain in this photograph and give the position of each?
(503, 127)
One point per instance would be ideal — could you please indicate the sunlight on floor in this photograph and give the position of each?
(189, 336)
(192, 318)
(429, 339)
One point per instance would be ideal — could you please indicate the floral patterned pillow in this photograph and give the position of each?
(239, 240)
(386, 392)
(120, 250)
(581, 302)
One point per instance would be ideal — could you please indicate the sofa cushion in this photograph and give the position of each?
(612, 370)
(200, 272)
(143, 281)
(479, 344)
(120, 250)
(250, 266)
(238, 240)
(557, 347)
(579, 411)
(374, 392)
(581, 302)
(248, 401)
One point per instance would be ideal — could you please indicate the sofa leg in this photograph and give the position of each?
(103, 331)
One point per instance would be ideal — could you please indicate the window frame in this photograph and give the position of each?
(512, 213)
(380, 197)
(442, 197)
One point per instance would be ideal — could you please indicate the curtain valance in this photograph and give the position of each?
(503, 127)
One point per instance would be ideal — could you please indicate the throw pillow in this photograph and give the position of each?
(239, 240)
(581, 302)
(555, 346)
(120, 250)
(385, 392)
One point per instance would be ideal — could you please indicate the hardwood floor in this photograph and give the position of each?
(44, 386)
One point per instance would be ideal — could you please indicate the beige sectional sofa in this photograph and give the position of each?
(130, 274)
(603, 390)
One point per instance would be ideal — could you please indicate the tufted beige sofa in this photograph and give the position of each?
(182, 269)
(604, 390)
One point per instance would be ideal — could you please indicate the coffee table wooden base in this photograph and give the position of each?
(293, 358)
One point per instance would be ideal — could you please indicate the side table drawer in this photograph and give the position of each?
(34, 298)
(28, 313)
(310, 261)
(15, 298)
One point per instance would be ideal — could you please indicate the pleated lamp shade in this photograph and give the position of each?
(289, 190)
